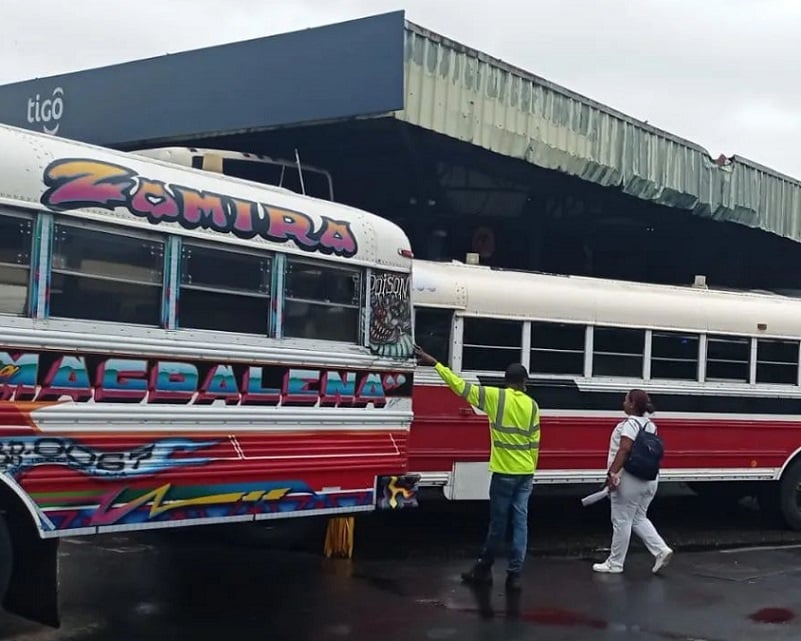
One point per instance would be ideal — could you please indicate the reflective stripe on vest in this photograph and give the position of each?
(482, 395)
(498, 428)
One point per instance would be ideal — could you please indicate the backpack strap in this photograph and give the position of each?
(644, 425)
(640, 428)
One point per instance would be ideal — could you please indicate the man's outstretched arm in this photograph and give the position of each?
(483, 397)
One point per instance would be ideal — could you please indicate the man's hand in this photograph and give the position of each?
(422, 357)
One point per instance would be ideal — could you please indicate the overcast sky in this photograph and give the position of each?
(722, 73)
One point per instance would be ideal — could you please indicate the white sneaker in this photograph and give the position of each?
(605, 568)
(662, 559)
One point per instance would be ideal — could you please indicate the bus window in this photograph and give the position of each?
(777, 362)
(99, 275)
(618, 352)
(15, 263)
(224, 290)
(674, 356)
(557, 348)
(490, 344)
(432, 330)
(322, 301)
(728, 358)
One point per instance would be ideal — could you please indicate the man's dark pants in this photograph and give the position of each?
(509, 495)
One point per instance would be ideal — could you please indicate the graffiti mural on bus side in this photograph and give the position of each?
(20, 453)
(170, 502)
(390, 315)
(81, 182)
(98, 378)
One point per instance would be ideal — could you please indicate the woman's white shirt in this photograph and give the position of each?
(628, 427)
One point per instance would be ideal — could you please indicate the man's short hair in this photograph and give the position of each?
(516, 374)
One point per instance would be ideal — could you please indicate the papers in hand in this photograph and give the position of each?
(595, 497)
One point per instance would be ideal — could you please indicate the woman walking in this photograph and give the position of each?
(631, 496)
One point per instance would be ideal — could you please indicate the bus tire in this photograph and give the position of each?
(6, 556)
(790, 496)
(28, 563)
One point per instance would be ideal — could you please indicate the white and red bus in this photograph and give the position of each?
(179, 347)
(722, 368)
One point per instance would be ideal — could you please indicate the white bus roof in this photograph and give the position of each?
(196, 156)
(480, 291)
(27, 156)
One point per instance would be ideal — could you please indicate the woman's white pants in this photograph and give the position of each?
(629, 512)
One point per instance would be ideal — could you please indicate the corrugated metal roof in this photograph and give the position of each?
(470, 96)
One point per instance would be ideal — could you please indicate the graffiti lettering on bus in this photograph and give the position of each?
(390, 315)
(21, 453)
(74, 183)
(84, 377)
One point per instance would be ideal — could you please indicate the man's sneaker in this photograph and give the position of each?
(605, 568)
(662, 559)
(478, 575)
(513, 583)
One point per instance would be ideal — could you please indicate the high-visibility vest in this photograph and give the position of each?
(515, 431)
(514, 423)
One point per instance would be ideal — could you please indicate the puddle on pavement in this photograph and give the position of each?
(772, 615)
(555, 616)
(558, 617)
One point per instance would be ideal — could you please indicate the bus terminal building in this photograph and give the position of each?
(466, 152)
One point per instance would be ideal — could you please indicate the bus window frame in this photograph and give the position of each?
(640, 355)
(673, 333)
(451, 347)
(734, 339)
(223, 247)
(504, 348)
(757, 361)
(114, 229)
(362, 271)
(532, 348)
(32, 283)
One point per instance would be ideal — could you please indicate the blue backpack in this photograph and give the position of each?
(646, 454)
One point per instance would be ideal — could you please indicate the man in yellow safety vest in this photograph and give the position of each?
(514, 419)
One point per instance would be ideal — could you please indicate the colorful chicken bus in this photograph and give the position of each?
(182, 348)
(722, 368)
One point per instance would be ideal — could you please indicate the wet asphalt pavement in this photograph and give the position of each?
(403, 584)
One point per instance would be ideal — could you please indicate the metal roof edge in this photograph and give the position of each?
(773, 173)
(475, 98)
(492, 60)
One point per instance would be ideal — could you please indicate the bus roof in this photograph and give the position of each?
(477, 290)
(197, 157)
(94, 183)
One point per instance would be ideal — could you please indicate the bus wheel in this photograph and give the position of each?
(6, 556)
(790, 496)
